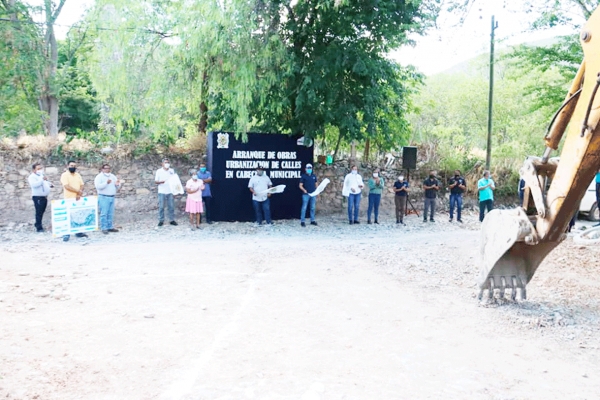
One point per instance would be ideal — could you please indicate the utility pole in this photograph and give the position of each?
(488, 155)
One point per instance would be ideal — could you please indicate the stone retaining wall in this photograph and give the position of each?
(137, 198)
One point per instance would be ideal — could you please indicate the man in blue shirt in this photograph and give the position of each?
(486, 187)
(457, 187)
(308, 184)
(206, 195)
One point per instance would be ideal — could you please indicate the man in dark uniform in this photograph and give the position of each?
(308, 184)
(457, 186)
(431, 186)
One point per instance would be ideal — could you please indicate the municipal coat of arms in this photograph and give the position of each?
(222, 140)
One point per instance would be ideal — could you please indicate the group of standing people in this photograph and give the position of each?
(199, 196)
(353, 186)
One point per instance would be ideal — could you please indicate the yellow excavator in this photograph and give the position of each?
(513, 243)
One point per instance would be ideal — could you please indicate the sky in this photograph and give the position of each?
(442, 48)
(454, 43)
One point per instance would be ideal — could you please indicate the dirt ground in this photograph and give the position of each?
(234, 311)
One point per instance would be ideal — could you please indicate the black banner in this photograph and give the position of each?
(232, 164)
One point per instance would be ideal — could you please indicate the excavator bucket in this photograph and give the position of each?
(510, 252)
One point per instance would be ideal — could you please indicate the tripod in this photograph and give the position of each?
(408, 202)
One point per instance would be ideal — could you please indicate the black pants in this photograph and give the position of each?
(207, 210)
(489, 204)
(40, 203)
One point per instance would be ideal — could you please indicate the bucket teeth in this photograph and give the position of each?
(512, 283)
(513, 294)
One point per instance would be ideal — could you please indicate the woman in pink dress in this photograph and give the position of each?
(193, 205)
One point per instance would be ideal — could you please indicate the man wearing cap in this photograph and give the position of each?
(308, 184)
(259, 184)
(165, 195)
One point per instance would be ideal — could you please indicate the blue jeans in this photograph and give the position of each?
(313, 202)
(161, 206)
(374, 200)
(266, 210)
(107, 210)
(353, 206)
(456, 199)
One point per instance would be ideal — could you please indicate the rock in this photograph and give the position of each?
(149, 316)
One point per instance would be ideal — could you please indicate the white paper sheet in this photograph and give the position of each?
(320, 188)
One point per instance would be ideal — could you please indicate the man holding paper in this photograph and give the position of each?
(258, 185)
(308, 184)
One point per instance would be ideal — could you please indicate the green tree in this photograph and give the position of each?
(171, 68)
(451, 115)
(36, 44)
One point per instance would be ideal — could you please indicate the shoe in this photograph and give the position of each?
(113, 230)
(161, 223)
(66, 238)
(377, 222)
(397, 221)
(432, 220)
(424, 220)
(459, 220)
(105, 232)
(173, 223)
(257, 224)
(313, 223)
(402, 222)
(209, 222)
(356, 222)
(302, 224)
(350, 222)
(82, 235)
(39, 230)
(450, 220)
(369, 221)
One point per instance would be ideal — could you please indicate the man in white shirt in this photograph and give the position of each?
(164, 192)
(352, 189)
(40, 189)
(107, 185)
(258, 185)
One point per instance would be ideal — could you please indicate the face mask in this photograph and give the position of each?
(375, 174)
(432, 176)
(203, 169)
(72, 170)
(309, 171)
(259, 173)
(400, 178)
(457, 176)
(106, 173)
(167, 165)
(354, 172)
(39, 173)
(194, 178)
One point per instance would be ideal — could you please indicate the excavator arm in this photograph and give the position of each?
(514, 244)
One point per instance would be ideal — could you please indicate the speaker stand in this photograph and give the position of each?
(408, 202)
